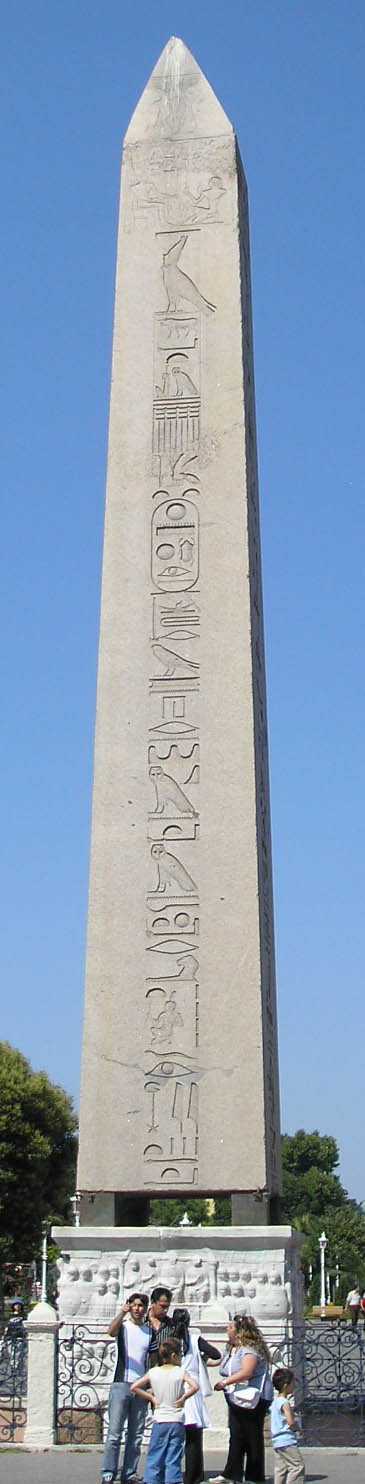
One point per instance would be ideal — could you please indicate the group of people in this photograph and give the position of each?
(160, 1363)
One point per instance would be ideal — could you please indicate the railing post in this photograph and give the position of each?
(42, 1327)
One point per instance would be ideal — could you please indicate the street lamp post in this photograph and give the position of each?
(322, 1247)
(45, 1228)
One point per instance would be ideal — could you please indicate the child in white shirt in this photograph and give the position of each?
(167, 1387)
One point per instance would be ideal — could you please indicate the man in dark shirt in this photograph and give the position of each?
(161, 1325)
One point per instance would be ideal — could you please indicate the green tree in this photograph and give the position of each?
(170, 1212)
(314, 1199)
(37, 1155)
(310, 1186)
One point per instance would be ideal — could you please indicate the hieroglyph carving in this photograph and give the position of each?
(178, 184)
(172, 900)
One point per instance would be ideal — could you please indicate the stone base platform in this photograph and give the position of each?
(215, 1271)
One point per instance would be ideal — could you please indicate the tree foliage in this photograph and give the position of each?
(314, 1199)
(170, 1212)
(37, 1155)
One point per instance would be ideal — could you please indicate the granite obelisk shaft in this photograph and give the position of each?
(179, 1073)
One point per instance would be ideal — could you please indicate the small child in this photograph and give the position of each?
(166, 1384)
(289, 1463)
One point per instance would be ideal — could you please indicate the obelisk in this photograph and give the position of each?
(179, 1086)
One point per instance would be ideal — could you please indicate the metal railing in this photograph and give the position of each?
(85, 1365)
(13, 1386)
(328, 1360)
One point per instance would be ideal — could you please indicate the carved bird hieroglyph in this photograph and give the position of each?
(170, 797)
(171, 872)
(178, 285)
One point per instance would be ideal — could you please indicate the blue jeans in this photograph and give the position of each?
(130, 1409)
(163, 1463)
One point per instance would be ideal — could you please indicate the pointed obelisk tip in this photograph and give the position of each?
(177, 101)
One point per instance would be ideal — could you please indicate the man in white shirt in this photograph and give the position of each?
(353, 1302)
(133, 1337)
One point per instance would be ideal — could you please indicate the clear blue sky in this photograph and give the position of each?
(290, 74)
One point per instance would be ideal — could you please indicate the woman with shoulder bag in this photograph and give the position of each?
(246, 1381)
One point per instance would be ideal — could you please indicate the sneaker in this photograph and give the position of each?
(107, 1478)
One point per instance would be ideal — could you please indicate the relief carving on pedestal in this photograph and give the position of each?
(255, 1283)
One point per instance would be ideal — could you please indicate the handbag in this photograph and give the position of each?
(247, 1396)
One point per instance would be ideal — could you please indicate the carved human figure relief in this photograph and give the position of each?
(169, 796)
(197, 1281)
(170, 871)
(179, 287)
(163, 1016)
(172, 204)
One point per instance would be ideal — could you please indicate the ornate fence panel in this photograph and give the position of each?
(328, 1360)
(85, 1370)
(13, 1386)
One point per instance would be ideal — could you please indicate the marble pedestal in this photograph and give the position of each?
(215, 1271)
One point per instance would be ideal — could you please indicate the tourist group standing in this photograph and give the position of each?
(159, 1363)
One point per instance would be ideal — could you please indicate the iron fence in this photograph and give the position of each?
(13, 1385)
(85, 1366)
(328, 1360)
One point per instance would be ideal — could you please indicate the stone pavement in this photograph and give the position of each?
(71, 1466)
